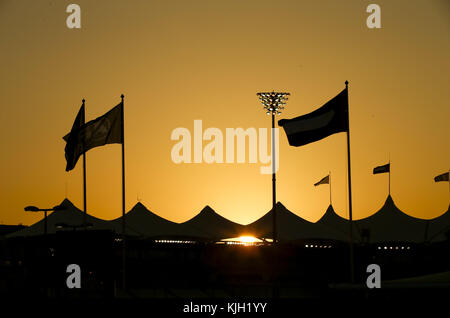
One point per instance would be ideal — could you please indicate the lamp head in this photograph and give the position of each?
(31, 208)
(273, 102)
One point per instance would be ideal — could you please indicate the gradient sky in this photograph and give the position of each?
(177, 61)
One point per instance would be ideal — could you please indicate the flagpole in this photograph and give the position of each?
(84, 173)
(329, 177)
(389, 178)
(274, 200)
(123, 199)
(352, 268)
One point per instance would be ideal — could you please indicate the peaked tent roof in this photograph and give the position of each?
(71, 215)
(390, 224)
(211, 225)
(439, 228)
(140, 221)
(332, 221)
(291, 227)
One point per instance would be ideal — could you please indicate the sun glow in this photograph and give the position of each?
(248, 239)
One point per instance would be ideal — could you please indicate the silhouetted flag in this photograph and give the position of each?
(325, 180)
(382, 169)
(74, 147)
(329, 119)
(106, 129)
(442, 177)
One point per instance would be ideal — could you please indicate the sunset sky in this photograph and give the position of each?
(179, 61)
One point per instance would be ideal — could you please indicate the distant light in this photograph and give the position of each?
(175, 242)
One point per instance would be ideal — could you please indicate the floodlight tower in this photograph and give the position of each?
(273, 103)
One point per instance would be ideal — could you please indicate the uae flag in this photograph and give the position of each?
(74, 148)
(382, 169)
(441, 177)
(325, 180)
(329, 119)
(106, 129)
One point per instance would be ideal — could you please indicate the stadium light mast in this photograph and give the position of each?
(273, 104)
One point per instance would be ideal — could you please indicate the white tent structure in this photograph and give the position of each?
(139, 221)
(390, 224)
(334, 222)
(71, 217)
(210, 225)
(291, 227)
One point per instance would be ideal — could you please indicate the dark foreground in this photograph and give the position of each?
(195, 278)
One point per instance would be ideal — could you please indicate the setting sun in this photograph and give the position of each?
(248, 239)
(243, 240)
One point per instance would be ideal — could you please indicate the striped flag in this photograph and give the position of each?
(327, 120)
(325, 180)
(441, 177)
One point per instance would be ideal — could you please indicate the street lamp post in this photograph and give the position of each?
(32, 208)
(273, 103)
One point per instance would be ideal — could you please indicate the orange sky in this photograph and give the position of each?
(178, 61)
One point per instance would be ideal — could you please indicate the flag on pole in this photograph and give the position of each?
(382, 169)
(442, 177)
(329, 119)
(325, 180)
(106, 129)
(74, 146)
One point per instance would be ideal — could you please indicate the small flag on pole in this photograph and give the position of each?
(442, 177)
(74, 146)
(325, 180)
(382, 169)
(329, 119)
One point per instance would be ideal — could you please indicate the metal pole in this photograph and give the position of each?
(329, 178)
(352, 265)
(389, 181)
(274, 200)
(84, 173)
(123, 200)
